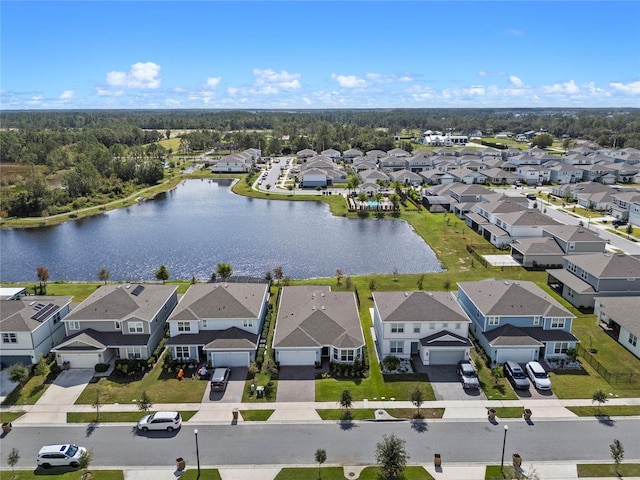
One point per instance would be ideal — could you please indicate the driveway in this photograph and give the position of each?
(296, 384)
(234, 390)
(446, 384)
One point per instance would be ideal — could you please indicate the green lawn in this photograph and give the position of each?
(269, 392)
(61, 474)
(509, 412)
(31, 392)
(8, 417)
(310, 473)
(256, 415)
(109, 417)
(205, 473)
(410, 413)
(339, 414)
(412, 472)
(607, 410)
(494, 391)
(161, 387)
(608, 470)
(493, 472)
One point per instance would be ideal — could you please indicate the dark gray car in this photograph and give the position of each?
(468, 375)
(516, 375)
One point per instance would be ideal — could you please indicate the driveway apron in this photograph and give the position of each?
(234, 390)
(446, 384)
(296, 384)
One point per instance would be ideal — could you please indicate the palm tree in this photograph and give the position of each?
(599, 397)
(346, 401)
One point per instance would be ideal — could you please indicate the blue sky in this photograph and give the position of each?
(319, 54)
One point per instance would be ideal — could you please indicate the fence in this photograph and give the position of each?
(478, 250)
(620, 379)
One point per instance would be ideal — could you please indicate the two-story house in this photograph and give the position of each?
(116, 321)
(516, 320)
(30, 327)
(620, 316)
(429, 325)
(219, 323)
(315, 323)
(582, 278)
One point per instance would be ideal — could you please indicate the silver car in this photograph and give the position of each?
(468, 375)
(61, 455)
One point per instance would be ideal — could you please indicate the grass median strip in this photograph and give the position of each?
(606, 411)
(310, 473)
(256, 415)
(608, 470)
(112, 417)
(7, 417)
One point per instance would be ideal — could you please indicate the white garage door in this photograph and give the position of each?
(445, 357)
(297, 357)
(520, 355)
(230, 359)
(79, 360)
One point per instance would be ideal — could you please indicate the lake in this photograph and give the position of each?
(202, 223)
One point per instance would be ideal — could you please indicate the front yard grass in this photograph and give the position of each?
(608, 470)
(606, 411)
(509, 412)
(125, 417)
(311, 473)
(256, 415)
(261, 380)
(339, 414)
(7, 474)
(208, 473)
(161, 387)
(8, 417)
(501, 390)
(31, 392)
(374, 387)
(412, 472)
(410, 413)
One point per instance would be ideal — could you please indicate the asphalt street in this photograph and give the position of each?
(295, 444)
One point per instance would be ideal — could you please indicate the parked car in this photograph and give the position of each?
(219, 379)
(538, 376)
(468, 375)
(61, 455)
(168, 421)
(619, 222)
(531, 196)
(515, 374)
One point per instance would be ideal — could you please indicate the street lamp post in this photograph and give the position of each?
(504, 442)
(195, 432)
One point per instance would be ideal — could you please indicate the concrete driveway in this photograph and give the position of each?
(296, 384)
(234, 390)
(446, 384)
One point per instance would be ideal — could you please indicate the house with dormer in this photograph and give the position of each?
(31, 327)
(219, 323)
(316, 324)
(516, 320)
(116, 322)
(430, 326)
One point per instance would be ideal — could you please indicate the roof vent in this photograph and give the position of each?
(406, 294)
(506, 283)
(313, 307)
(322, 307)
(226, 285)
(322, 294)
(127, 286)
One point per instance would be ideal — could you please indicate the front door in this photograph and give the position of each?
(415, 348)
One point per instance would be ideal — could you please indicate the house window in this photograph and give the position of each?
(397, 328)
(204, 324)
(335, 353)
(9, 338)
(347, 355)
(184, 326)
(494, 320)
(633, 340)
(536, 320)
(432, 326)
(416, 328)
(117, 325)
(248, 323)
(458, 326)
(134, 352)
(560, 348)
(445, 324)
(74, 325)
(182, 352)
(135, 327)
(396, 347)
(557, 323)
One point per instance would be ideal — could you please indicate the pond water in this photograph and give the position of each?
(202, 223)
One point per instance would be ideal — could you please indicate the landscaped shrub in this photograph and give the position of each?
(391, 362)
(101, 367)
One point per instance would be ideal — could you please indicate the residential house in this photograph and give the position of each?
(464, 175)
(532, 174)
(30, 327)
(116, 321)
(406, 177)
(392, 163)
(350, 154)
(219, 323)
(234, 163)
(621, 202)
(619, 315)
(516, 320)
(315, 323)
(376, 154)
(599, 172)
(320, 172)
(306, 154)
(333, 154)
(583, 278)
(429, 325)
(498, 176)
(562, 173)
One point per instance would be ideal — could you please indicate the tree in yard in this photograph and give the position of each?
(629, 229)
(162, 274)
(144, 404)
(599, 397)
(83, 462)
(277, 273)
(12, 460)
(321, 457)
(224, 270)
(543, 140)
(447, 285)
(97, 404)
(103, 275)
(346, 402)
(417, 398)
(42, 368)
(420, 282)
(338, 276)
(348, 283)
(372, 284)
(391, 457)
(213, 277)
(18, 373)
(268, 276)
(497, 373)
(395, 274)
(43, 276)
(617, 452)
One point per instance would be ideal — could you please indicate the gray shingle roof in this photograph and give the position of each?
(419, 307)
(623, 311)
(220, 301)
(91, 339)
(445, 338)
(315, 316)
(229, 339)
(16, 315)
(608, 265)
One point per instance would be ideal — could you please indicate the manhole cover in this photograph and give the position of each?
(352, 474)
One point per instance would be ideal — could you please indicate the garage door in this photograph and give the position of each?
(297, 357)
(230, 359)
(445, 357)
(78, 360)
(519, 355)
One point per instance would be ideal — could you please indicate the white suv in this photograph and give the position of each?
(168, 421)
(538, 376)
(60, 456)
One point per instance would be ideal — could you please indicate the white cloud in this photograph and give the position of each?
(515, 81)
(569, 87)
(383, 78)
(628, 88)
(307, 100)
(275, 81)
(213, 82)
(349, 81)
(141, 75)
(515, 31)
(103, 92)
(67, 95)
(35, 100)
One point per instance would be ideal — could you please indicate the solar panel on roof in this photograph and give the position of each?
(138, 290)
(44, 312)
